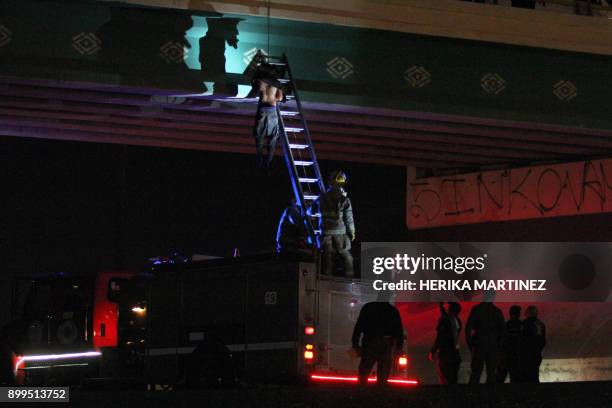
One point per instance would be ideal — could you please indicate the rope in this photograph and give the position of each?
(268, 4)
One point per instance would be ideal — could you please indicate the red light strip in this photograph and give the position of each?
(320, 377)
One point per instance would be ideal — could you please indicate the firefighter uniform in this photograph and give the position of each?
(484, 333)
(533, 340)
(446, 345)
(336, 224)
(383, 334)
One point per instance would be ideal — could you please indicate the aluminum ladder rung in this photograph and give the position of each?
(303, 163)
(308, 180)
(298, 146)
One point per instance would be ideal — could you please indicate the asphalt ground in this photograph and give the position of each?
(550, 395)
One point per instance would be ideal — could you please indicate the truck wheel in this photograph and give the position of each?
(210, 366)
(67, 332)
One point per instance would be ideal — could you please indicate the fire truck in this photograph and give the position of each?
(203, 323)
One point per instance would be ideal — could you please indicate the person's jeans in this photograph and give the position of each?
(266, 126)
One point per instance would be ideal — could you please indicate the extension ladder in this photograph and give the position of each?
(299, 152)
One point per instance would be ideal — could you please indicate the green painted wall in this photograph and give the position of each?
(334, 64)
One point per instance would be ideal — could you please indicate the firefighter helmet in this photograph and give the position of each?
(337, 178)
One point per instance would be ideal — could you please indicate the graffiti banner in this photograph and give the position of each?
(511, 194)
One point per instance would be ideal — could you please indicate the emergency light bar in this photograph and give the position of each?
(337, 378)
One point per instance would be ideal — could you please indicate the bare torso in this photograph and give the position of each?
(269, 94)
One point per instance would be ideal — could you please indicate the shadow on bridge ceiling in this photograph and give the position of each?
(162, 48)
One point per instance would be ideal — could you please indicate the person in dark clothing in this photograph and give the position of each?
(268, 88)
(291, 236)
(336, 224)
(447, 344)
(532, 342)
(484, 333)
(383, 336)
(509, 359)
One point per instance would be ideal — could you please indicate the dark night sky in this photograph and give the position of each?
(62, 207)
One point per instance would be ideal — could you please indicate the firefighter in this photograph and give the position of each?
(484, 333)
(533, 340)
(383, 336)
(446, 346)
(336, 224)
(291, 234)
(509, 358)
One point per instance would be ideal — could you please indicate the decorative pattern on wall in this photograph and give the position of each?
(5, 35)
(247, 56)
(173, 53)
(417, 76)
(339, 67)
(86, 43)
(565, 90)
(492, 83)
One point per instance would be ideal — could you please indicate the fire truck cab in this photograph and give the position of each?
(60, 325)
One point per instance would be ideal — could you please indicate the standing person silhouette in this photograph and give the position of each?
(446, 346)
(509, 358)
(484, 333)
(383, 336)
(533, 340)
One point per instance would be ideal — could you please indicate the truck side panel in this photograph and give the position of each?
(340, 301)
(272, 322)
(250, 308)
